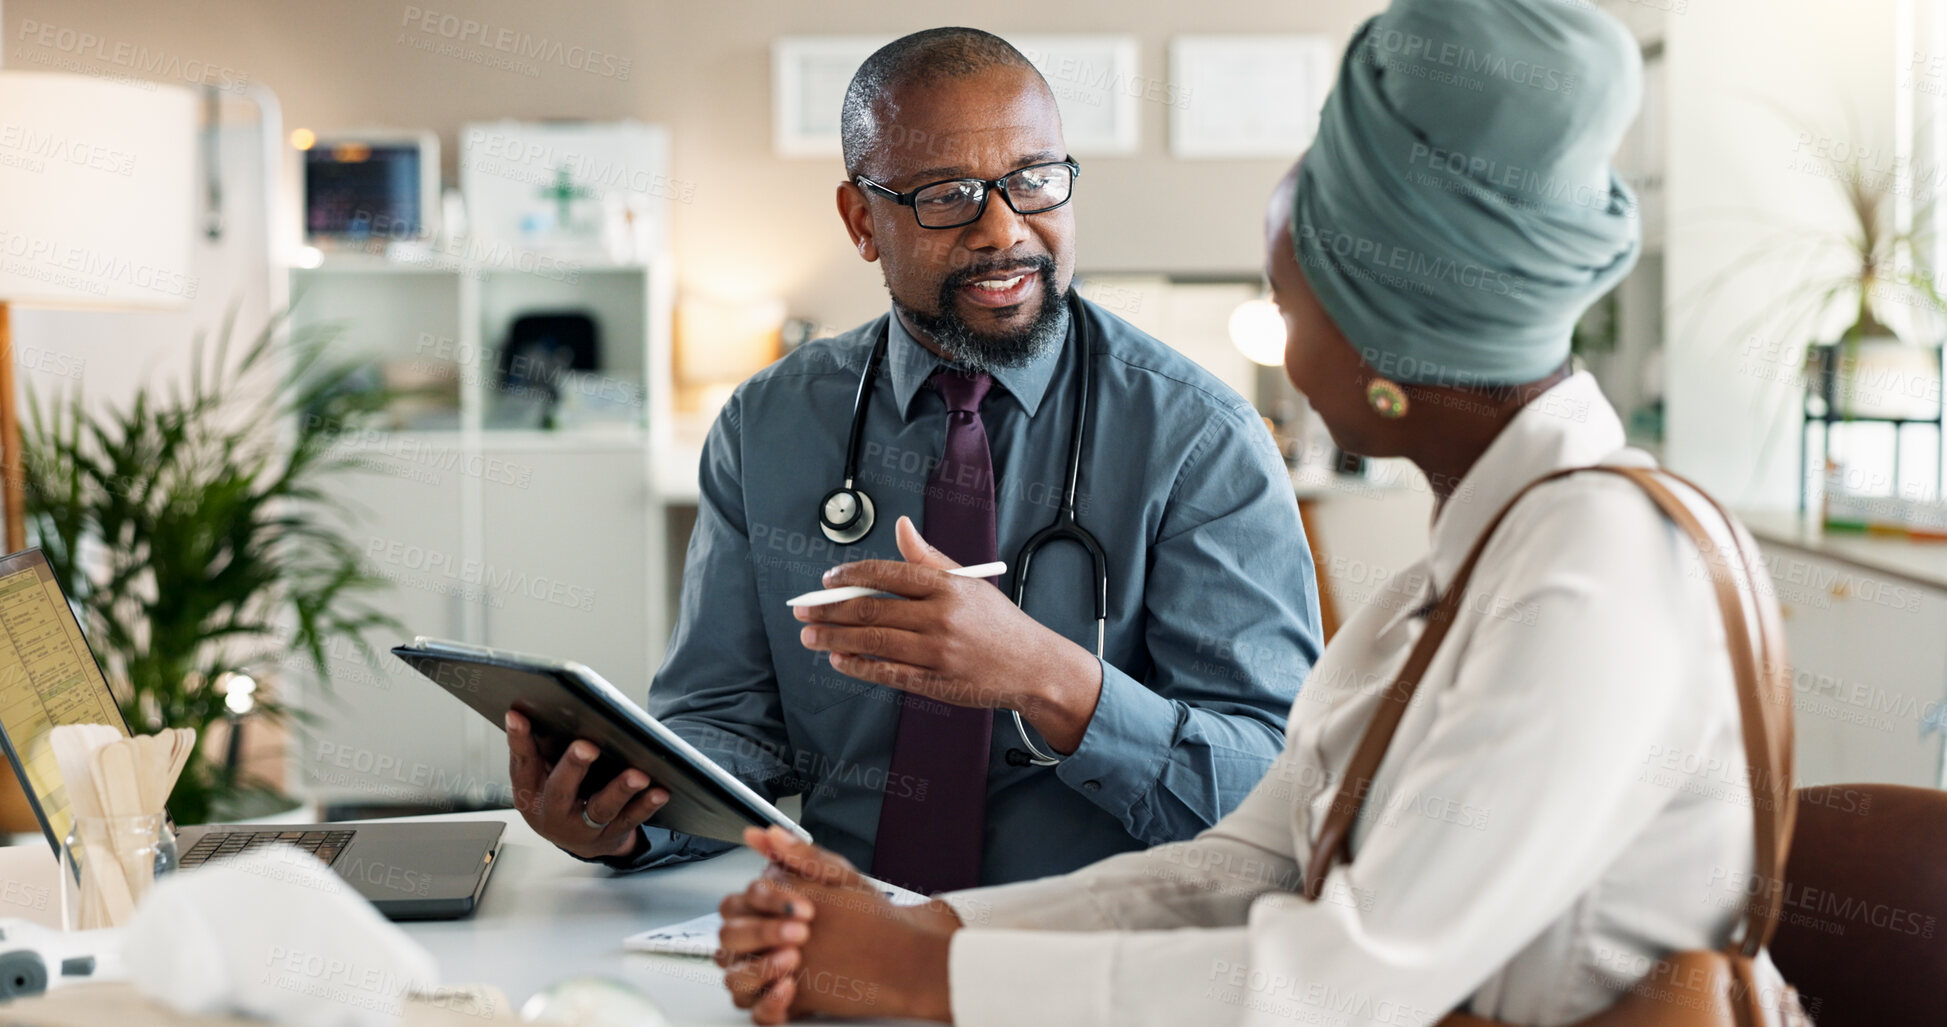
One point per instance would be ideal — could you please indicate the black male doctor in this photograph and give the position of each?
(896, 717)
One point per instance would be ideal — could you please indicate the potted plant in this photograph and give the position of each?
(1883, 264)
(190, 528)
(1854, 274)
(1847, 313)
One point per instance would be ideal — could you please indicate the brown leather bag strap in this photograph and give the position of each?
(1357, 780)
(1762, 706)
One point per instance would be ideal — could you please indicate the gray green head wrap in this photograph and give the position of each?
(1457, 212)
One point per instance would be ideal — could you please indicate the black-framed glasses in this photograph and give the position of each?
(1035, 189)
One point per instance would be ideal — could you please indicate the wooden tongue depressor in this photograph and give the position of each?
(110, 774)
(144, 747)
(119, 872)
(185, 743)
(168, 754)
(154, 754)
(73, 746)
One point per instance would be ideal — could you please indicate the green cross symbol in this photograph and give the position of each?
(564, 193)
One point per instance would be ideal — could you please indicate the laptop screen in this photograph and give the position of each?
(48, 677)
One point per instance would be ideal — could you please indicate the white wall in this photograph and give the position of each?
(110, 354)
(756, 224)
(1739, 72)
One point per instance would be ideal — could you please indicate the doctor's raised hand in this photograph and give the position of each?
(953, 639)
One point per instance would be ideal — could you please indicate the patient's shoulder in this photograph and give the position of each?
(1603, 523)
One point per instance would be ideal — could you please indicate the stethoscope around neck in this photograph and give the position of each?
(846, 514)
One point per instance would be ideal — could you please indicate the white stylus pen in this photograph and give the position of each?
(839, 595)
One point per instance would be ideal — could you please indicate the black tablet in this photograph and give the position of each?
(563, 701)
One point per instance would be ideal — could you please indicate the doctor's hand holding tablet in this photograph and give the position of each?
(924, 626)
(548, 795)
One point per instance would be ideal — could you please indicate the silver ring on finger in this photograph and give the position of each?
(590, 821)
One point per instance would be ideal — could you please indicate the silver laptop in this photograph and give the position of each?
(49, 677)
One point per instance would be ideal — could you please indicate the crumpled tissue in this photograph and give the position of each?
(275, 934)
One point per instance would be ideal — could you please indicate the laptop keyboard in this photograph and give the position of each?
(326, 845)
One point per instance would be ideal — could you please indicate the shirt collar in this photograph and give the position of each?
(912, 364)
(1570, 425)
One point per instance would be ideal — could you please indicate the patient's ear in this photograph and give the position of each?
(852, 210)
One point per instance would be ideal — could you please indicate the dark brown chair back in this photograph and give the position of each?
(1862, 933)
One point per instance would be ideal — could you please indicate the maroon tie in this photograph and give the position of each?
(933, 824)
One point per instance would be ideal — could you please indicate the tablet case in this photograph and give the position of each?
(564, 701)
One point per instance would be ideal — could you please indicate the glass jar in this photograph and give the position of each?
(108, 864)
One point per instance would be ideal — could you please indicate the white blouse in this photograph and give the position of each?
(1565, 800)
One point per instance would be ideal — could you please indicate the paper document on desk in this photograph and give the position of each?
(698, 937)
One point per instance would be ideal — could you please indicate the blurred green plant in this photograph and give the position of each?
(190, 527)
(1814, 288)
(1824, 267)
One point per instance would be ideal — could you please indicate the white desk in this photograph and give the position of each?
(545, 917)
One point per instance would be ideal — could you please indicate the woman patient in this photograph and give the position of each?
(1565, 799)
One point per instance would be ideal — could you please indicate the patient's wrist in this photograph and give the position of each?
(938, 915)
(930, 997)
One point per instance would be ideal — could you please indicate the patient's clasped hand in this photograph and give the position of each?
(867, 957)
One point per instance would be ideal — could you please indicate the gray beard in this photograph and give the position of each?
(974, 351)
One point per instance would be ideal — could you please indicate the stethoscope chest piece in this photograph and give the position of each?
(845, 514)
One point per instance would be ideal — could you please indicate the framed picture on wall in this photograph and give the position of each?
(1247, 96)
(808, 79)
(1095, 80)
(1097, 84)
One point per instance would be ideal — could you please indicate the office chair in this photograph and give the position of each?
(1863, 932)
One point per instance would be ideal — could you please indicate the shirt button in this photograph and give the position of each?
(1093, 786)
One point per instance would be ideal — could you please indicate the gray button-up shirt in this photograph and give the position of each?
(1213, 614)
